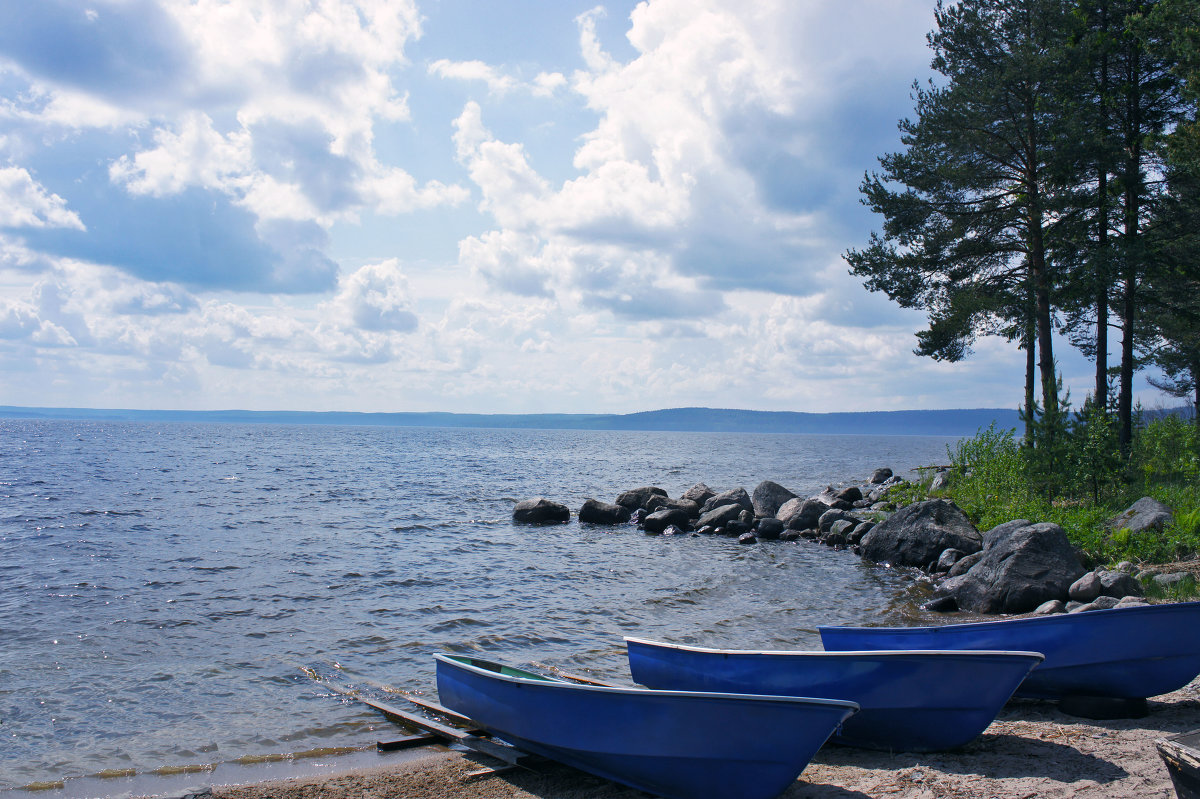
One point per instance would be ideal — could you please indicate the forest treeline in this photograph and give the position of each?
(1049, 180)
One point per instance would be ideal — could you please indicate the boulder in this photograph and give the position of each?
(850, 494)
(720, 517)
(689, 507)
(941, 604)
(842, 528)
(1022, 566)
(832, 516)
(801, 514)
(917, 534)
(1086, 588)
(964, 564)
(948, 558)
(1119, 584)
(768, 497)
(1132, 601)
(940, 482)
(856, 535)
(736, 496)
(637, 497)
(699, 493)
(1145, 514)
(541, 511)
(662, 518)
(594, 511)
(881, 475)
(1171, 580)
(1099, 603)
(769, 528)
(1051, 607)
(747, 538)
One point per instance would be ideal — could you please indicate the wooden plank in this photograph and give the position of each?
(407, 742)
(502, 752)
(458, 718)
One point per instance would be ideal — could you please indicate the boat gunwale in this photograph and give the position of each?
(833, 654)
(1032, 620)
(557, 684)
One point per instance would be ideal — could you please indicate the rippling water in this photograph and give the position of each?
(162, 585)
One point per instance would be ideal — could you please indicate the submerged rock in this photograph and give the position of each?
(541, 511)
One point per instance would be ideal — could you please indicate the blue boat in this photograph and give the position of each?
(1124, 653)
(674, 744)
(911, 701)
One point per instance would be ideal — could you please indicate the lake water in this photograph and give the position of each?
(164, 587)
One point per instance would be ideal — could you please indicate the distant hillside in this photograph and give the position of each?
(942, 422)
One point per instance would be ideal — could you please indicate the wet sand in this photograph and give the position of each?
(1031, 750)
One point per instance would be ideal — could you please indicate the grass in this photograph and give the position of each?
(994, 479)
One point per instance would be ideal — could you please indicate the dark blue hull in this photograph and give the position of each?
(1128, 653)
(911, 701)
(673, 744)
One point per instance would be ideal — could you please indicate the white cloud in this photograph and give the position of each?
(25, 203)
(376, 298)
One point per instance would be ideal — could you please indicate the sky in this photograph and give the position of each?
(451, 205)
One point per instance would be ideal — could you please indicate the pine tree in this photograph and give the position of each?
(971, 204)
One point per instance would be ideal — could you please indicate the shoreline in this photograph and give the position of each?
(1031, 750)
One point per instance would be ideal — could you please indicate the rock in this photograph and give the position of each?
(1132, 602)
(699, 493)
(672, 529)
(736, 527)
(964, 564)
(768, 497)
(881, 475)
(637, 497)
(842, 527)
(856, 535)
(789, 535)
(746, 517)
(541, 511)
(1086, 588)
(1126, 566)
(917, 534)
(736, 496)
(1023, 565)
(832, 516)
(1145, 514)
(769, 528)
(707, 530)
(660, 519)
(594, 511)
(1051, 607)
(834, 540)
(941, 481)
(948, 558)
(1119, 584)
(1099, 603)
(1170, 580)
(747, 538)
(720, 516)
(656, 502)
(850, 494)
(800, 514)
(942, 604)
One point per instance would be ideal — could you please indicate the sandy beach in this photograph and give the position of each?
(1031, 750)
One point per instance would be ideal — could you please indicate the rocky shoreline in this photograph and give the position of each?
(1020, 566)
